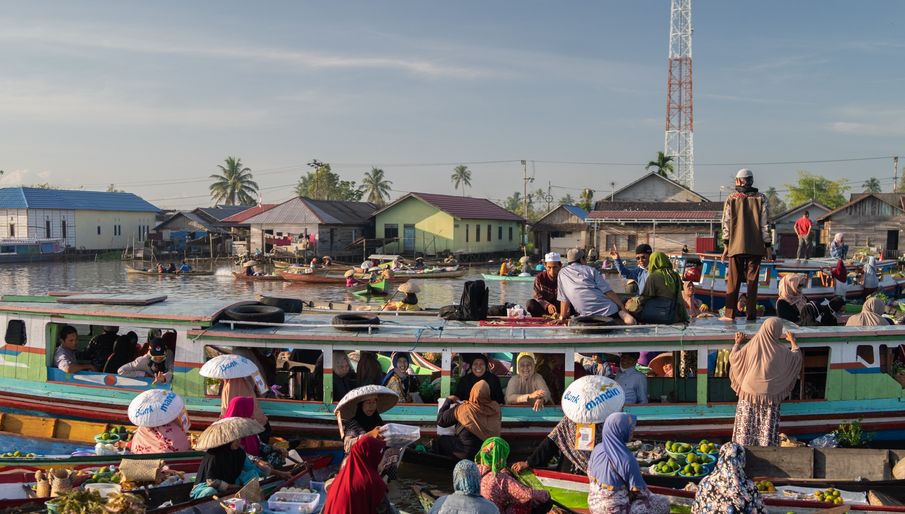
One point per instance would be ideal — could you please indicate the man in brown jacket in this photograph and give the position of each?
(746, 241)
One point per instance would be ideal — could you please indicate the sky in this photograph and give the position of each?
(153, 96)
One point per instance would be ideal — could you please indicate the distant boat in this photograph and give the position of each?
(239, 275)
(134, 271)
(501, 278)
(30, 250)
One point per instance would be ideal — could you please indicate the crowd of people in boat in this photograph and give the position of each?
(183, 267)
(121, 354)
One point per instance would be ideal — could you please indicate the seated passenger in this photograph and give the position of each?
(692, 304)
(326, 261)
(367, 422)
(475, 419)
(479, 372)
(790, 301)
(832, 311)
(616, 484)
(871, 315)
(419, 263)
(368, 369)
(663, 282)
(499, 486)
(156, 364)
(167, 438)
(633, 382)
(344, 379)
(467, 496)
(101, 346)
(185, 268)
(639, 274)
(838, 248)
(64, 358)
(358, 487)
(350, 278)
(544, 301)
(171, 268)
(399, 380)
(250, 270)
(583, 288)
(560, 445)
(810, 315)
(254, 445)
(314, 264)
(727, 488)
(160, 268)
(506, 267)
(527, 387)
(123, 352)
(409, 302)
(662, 365)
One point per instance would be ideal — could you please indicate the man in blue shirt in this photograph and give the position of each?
(185, 268)
(639, 274)
(633, 382)
(582, 287)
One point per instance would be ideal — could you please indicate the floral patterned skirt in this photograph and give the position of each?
(756, 425)
(603, 500)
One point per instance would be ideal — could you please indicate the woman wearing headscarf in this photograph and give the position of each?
(560, 444)
(123, 352)
(838, 248)
(616, 485)
(832, 311)
(245, 386)
(664, 282)
(475, 420)
(692, 304)
(368, 369)
(479, 371)
(527, 387)
(810, 315)
(398, 378)
(167, 438)
(503, 489)
(871, 314)
(244, 407)
(727, 489)
(344, 379)
(790, 300)
(467, 497)
(871, 282)
(367, 422)
(763, 373)
(358, 488)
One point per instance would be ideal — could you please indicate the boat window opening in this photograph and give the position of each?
(814, 369)
(673, 378)
(866, 353)
(718, 385)
(265, 359)
(15, 332)
(548, 367)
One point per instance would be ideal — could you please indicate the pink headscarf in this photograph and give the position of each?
(163, 439)
(235, 387)
(244, 407)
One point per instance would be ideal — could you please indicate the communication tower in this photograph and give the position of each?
(679, 105)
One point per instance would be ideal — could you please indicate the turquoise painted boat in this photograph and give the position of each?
(846, 375)
(501, 278)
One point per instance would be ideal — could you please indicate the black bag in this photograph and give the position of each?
(451, 312)
(474, 302)
(659, 311)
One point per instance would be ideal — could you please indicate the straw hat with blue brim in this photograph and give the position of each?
(155, 407)
(386, 400)
(225, 431)
(228, 366)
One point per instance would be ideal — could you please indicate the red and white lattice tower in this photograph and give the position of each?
(679, 106)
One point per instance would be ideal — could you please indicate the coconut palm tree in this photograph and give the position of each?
(461, 176)
(376, 187)
(872, 185)
(235, 186)
(587, 199)
(662, 166)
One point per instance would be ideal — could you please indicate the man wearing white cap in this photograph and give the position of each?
(746, 241)
(544, 300)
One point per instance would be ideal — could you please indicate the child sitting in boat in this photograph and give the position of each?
(156, 364)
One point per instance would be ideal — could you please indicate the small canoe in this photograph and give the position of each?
(133, 271)
(373, 289)
(500, 278)
(238, 275)
(332, 277)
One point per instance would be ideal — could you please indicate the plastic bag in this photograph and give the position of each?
(516, 311)
(825, 441)
(397, 435)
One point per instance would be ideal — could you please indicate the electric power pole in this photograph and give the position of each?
(895, 174)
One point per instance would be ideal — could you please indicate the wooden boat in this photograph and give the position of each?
(134, 271)
(332, 277)
(842, 365)
(373, 289)
(238, 275)
(500, 278)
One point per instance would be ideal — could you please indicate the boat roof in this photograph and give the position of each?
(130, 309)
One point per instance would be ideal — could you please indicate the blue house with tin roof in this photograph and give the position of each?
(90, 220)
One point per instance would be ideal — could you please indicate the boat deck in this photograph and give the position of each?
(187, 311)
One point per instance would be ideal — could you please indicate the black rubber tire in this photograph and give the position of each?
(256, 313)
(289, 305)
(355, 322)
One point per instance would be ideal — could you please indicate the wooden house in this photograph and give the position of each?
(868, 220)
(560, 229)
(785, 240)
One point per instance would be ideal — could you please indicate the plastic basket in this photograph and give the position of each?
(300, 503)
(396, 434)
(653, 471)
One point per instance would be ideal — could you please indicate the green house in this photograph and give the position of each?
(429, 224)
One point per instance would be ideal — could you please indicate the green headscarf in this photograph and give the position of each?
(493, 453)
(660, 263)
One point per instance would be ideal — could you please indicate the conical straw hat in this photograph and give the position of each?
(409, 287)
(248, 264)
(228, 366)
(225, 431)
(386, 399)
(349, 273)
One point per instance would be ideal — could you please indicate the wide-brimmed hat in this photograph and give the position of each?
(386, 399)
(349, 273)
(409, 288)
(228, 366)
(227, 430)
(656, 364)
(155, 407)
(592, 398)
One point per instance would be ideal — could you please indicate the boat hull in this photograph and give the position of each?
(133, 271)
(498, 278)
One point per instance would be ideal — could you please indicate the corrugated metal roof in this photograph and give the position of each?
(241, 217)
(221, 212)
(298, 211)
(38, 198)
(576, 210)
(654, 215)
(463, 207)
(658, 206)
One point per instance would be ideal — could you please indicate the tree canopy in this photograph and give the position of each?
(774, 202)
(235, 184)
(376, 187)
(815, 187)
(662, 166)
(461, 176)
(587, 199)
(872, 185)
(323, 184)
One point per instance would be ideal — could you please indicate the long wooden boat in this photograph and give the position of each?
(333, 277)
(134, 271)
(500, 278)
(845, 377)
(238, 275)
(711, 287)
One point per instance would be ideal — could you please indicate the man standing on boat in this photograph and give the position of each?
(803, 230)
(583, 288)
(544, 301)
(639, 274)
(746, 241)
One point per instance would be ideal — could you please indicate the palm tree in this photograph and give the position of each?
(872, 185)
(376, 187)
(461, 176)
(587, 199)
(235, 186)
(662, 166)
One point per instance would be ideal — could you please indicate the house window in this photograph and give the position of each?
(390, 230)
(466, 232)
(488, 233)
(98, 230)
(12, 230)
(510, 233)
(47, 229)
(63, 228)
(499, 232)
(477, 233)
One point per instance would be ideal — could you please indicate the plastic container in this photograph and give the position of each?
(709, 460)
(296, 503)
(680, 457)
(104, 490)
(396, 434)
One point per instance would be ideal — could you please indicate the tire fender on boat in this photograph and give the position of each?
(255, 313)
(354, 322)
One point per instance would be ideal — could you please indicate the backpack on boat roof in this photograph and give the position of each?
(472, 306)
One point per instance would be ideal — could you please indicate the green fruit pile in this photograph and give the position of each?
(677, 447)
(18, 455)
(108, 475)
(830, 495)
(693, 470)
(108, 436)
(694, 458)
(666, 467)
(706, 446)
(765, 486)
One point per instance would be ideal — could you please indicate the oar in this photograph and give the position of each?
(554, 502)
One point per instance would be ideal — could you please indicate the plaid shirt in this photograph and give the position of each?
(545, 290)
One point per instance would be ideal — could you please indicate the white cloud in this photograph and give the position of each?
(869, 121)
(11, 178)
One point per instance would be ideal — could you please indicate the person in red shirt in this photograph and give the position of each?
(803, 230)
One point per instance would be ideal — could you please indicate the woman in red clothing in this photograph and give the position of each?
(358, 488)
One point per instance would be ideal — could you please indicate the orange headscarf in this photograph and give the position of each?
(480, 415)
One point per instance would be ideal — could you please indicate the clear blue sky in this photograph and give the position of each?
(152, 96)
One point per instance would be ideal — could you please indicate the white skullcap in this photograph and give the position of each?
(552, 257)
